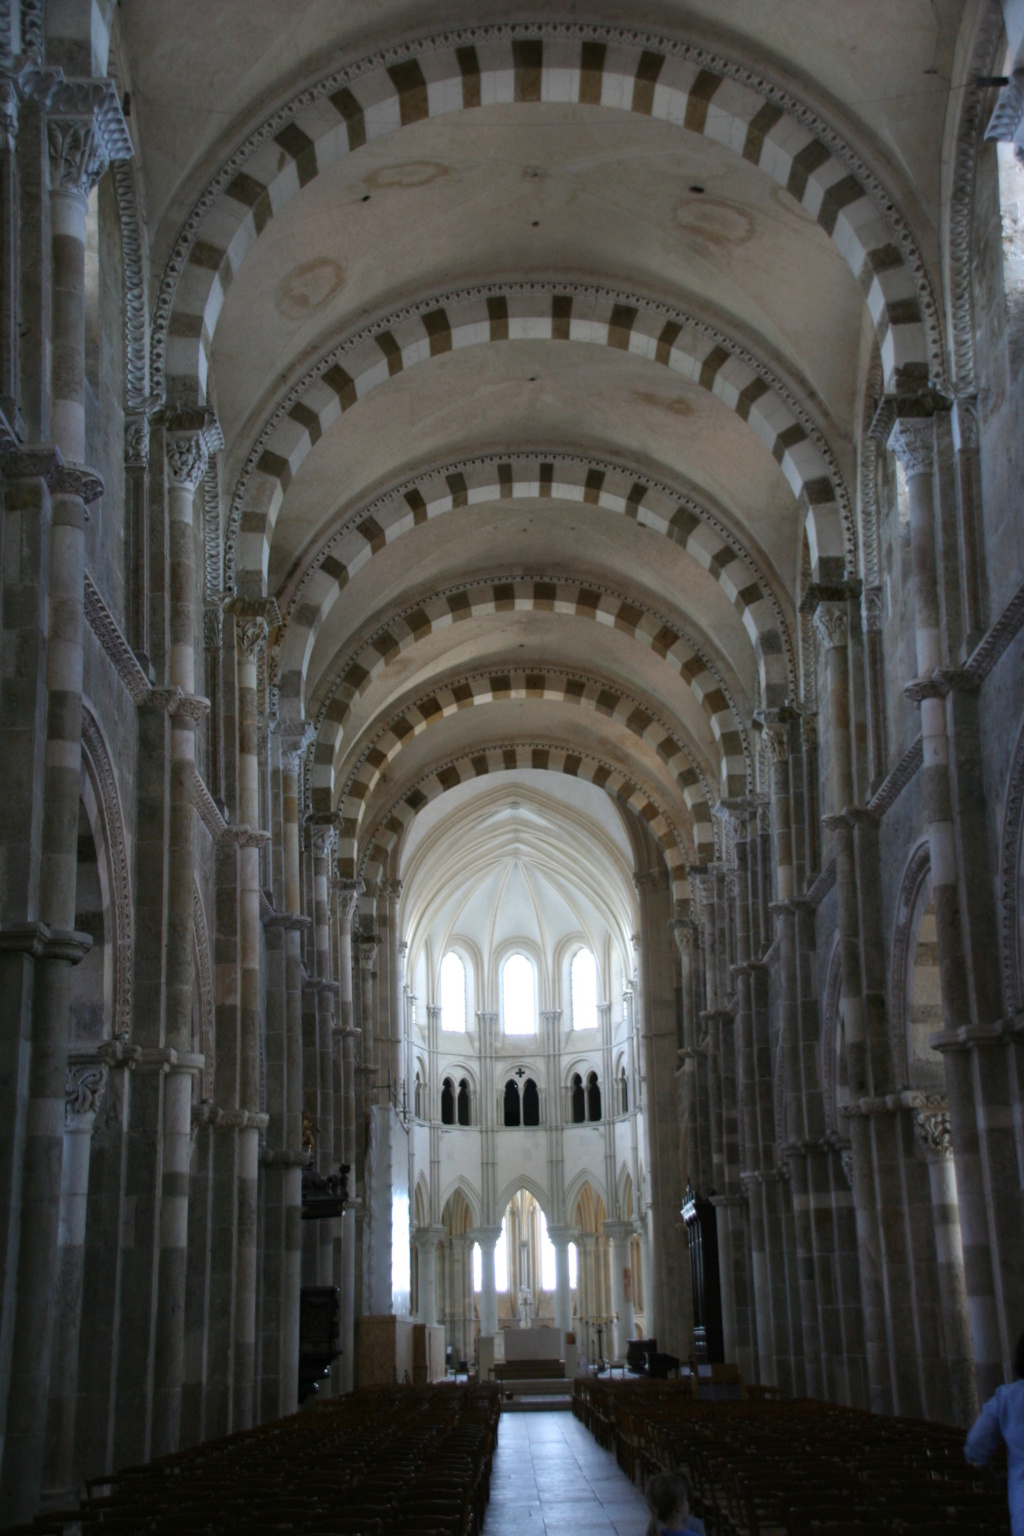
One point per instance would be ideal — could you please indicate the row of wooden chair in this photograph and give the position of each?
(416, 1459)
(802, 1468)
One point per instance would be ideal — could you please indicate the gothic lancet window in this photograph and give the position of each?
(579, 1100)
(531, 1103)
(447, 1102)
(518, 996)
(453, 994)
(462, 1105)
(583, 986)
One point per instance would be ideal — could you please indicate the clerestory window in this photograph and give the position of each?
(583, 987)
(518, 996)
(453, 994)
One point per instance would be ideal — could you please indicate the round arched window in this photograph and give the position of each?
(583, 987)
(518, 996)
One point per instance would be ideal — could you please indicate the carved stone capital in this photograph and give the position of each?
(349, 892)
(246, 837)
(871, 610)
(368, 948)
(296, 737)
(85, 131)
(83, 1091)
(832, 625)
(966, 428)
(686, 934)
(191, 436)
(912, 440)
(136, 439)
(251, 637)
(932, 1129)
(77, 480)
(321, 836)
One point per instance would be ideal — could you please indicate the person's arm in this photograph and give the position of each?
(985, 1435)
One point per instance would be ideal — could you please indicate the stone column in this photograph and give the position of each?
(426, 1240)
(349, 892)
(86, 1081)
(560, 1237)
(912, 439)
(188, 440)
(85, 130)
(621, 1234)
(328, 1233)
(487, 1237)
(289, 1156)
(932, 1130)
(376, 1056)
(251, 630)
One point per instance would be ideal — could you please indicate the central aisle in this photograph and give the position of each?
(551, 1478)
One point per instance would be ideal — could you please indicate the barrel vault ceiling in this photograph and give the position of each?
(537, 341)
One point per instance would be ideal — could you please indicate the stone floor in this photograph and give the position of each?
(551, 1478)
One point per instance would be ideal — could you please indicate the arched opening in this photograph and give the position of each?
(89, 989)
(583, 987)
(593, 1097)
(579, 1100)
(462, 1106)
(512, 1109)
(518, 997)
(531, 1103)
(447, 1102)
(417, 1098)
(623, 1092)
(453, 994)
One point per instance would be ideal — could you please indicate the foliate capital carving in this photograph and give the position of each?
(932, 1129)
(296, 738)
(368, 948)
(912, 440)
(321, 835)
(251, 637)
(136, 439)
(191, 436)
(83, 1091)
(871, 610)
(78, 480)
(349, 892)
(686, 935)
(85, 131)
(831, 622)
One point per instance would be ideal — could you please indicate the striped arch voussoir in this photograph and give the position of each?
(656, 77)
(565, 477)
(520, 593)
(370, 861)
(506, 312)
(629, 713)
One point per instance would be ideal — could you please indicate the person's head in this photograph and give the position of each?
(668, 1499)
(1018, 1358)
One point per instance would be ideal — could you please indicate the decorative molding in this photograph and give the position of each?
(209, 812)
(960, 226)
(816, 892)
(190, 438)
(1000, 636)
(104, 780)
(893, 785)
(212, 535)
(116, 648)
(701, 57)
